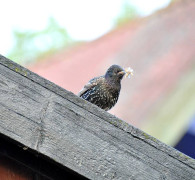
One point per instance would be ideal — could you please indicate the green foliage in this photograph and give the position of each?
(31, 45)
(127, 14)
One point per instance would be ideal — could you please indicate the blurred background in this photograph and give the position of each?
(70, 42)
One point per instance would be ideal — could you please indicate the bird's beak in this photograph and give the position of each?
(122, 72)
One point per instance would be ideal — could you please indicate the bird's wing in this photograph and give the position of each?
(93, 82)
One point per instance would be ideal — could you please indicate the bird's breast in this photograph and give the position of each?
(103, 95)
(109, 97)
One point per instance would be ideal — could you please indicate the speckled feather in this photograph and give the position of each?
(104, 91)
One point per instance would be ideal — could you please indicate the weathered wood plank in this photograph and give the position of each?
(17, 164)
(79, 135)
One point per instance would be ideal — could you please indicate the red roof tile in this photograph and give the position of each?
(74, 68)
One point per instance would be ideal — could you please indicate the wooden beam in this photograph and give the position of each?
(18, 163)
(76, 134)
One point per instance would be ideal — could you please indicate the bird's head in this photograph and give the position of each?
(115, 73)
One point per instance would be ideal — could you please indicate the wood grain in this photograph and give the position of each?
(79, 135)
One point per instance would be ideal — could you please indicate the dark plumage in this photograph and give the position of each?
(104, 91)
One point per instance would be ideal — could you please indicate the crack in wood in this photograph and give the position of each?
(41, 128)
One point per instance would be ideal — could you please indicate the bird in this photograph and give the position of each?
(103, 91)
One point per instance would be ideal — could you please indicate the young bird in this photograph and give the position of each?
(104, 91)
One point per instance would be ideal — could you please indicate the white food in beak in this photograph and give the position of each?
(129, 72)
